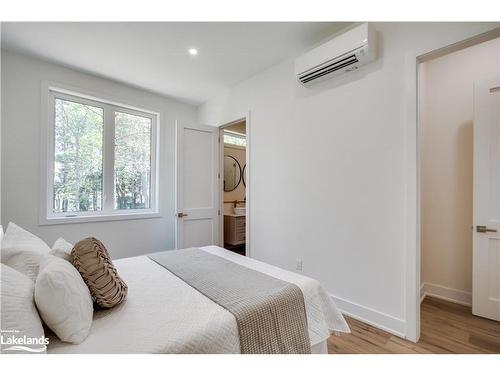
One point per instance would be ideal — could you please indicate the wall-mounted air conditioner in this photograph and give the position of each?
(342, 54)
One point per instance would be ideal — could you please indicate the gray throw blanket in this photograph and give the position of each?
(270, 313)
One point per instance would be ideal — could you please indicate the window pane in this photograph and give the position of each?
(234, 140)
(132, 161)
(78, 157)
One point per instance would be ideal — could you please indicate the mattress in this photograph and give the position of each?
(163, 314)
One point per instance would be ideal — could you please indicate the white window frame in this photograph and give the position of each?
(108, 213)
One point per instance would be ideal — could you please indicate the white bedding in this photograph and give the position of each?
(163, 314)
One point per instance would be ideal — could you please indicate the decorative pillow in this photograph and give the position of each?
(91, 259)
(62, 249)
(19, 315)
(63, 300)
(23, 251)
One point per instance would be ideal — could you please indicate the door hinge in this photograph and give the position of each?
(218, 175)
(218, 212)
(219, 139)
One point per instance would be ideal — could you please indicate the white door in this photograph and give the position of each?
(486, 246)
(197, 204)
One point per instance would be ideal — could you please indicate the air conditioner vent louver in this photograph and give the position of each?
(330, 68)
(338, 56)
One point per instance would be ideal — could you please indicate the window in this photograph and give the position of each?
(101, 162)
(132, 161)
(78, 147)
(234, 138)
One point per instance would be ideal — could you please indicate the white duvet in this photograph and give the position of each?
(163, 314)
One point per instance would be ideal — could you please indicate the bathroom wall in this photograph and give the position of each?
(238, 193)
(446, 112)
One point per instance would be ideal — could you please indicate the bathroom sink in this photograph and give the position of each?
(240, 210)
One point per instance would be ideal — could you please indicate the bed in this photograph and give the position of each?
(163, 314)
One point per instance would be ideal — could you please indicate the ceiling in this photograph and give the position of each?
(154, 56)
(239, 127)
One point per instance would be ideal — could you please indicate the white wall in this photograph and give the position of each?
(21, 90)
(446, 119)
(328, 170)
(1, 227)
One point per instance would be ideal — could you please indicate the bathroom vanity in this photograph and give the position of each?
(234, 229)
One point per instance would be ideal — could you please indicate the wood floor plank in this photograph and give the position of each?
(446, 327)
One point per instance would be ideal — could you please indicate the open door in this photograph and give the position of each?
(486, 238)
(197, 198)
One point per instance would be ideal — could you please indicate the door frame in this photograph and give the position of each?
(413, 131)
(245, 117)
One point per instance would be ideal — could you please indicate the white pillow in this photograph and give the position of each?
(19, 315)
(23, 251)
(62, 249)
(63, 300)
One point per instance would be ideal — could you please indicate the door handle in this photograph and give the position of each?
(181, 214)
(484, 229)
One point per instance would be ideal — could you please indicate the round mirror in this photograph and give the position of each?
(244, 176)
(232, 173)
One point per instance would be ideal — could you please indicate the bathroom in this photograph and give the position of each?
(234, 186)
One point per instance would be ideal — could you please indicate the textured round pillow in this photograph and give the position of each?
(91, 259)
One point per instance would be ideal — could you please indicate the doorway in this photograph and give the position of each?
(234, 186)
(458, 120)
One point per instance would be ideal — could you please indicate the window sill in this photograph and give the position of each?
(99, 218)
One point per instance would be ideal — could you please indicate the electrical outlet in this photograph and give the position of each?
(298, 266)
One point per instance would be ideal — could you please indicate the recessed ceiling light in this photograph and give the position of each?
(193, 51)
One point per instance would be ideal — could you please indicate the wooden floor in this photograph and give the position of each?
(445, 328)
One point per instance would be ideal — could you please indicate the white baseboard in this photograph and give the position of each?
(448, 294)
(395, 325)
(422, 292)
(372, 317)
